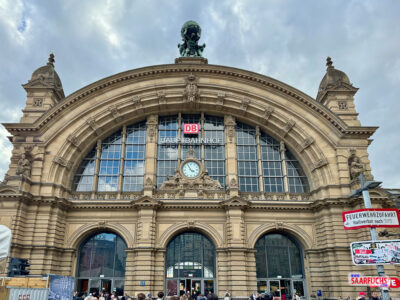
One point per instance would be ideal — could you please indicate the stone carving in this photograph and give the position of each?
(148, 182)
(151, 132)
(74, 141)
(282, 146)
(230, 124)
(288, 126)
(115, 113)
(38, 102)
(244, 105)
(233, 183)
(161, 97)
(137, 104)
(102, 224)
(24, 166)
(92, 124)
(178, 182)
(191, 33)
(220, 100)
(63, 162)
(307, 142)
(267, 113)
(320, 163)
(342, 105)
(355, 167)
(191, 93)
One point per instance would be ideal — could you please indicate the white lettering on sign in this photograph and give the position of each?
(191, 141)
(371, 217)
(190, 128)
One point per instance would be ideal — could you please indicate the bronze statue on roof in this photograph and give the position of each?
(191, 33)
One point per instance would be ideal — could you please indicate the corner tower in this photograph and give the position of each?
(44, 90)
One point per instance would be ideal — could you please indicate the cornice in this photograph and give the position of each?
(161, 70)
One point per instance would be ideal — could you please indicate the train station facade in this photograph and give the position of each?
(188, 176)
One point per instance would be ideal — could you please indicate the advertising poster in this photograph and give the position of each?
(375, 253)
(61, 287)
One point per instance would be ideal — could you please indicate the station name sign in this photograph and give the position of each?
(371, 217)
(190, 141)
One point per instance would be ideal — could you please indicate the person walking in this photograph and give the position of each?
(212, 296)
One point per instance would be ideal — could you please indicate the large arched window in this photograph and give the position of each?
(279, 265)
(265, 165)
(208, 144)
(101, 263)
(190, 264)
(117, 163)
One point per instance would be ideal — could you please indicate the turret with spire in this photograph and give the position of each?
(337, 93)
(44, 90)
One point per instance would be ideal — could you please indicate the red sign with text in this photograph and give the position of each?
(191, 128)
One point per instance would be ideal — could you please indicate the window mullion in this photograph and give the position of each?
(259, 162)
(122, 159)
(97, 167)
(284, 169)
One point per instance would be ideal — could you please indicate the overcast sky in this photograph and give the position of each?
(286, 40)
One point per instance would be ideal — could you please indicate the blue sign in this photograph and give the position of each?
(61, 287)
(319, 293)
(143, 283)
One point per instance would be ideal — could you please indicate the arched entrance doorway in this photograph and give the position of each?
(279, 265)
(190, 265)
(101, 264)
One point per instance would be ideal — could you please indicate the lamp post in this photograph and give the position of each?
(365, 186)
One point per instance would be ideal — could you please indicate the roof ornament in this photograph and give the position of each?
(191, 32)
(329, 63)
(51, 60)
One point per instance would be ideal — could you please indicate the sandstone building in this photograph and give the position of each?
(106, 186)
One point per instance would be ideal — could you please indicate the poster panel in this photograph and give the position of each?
(371, 217)
(61, 287)
(375, 253)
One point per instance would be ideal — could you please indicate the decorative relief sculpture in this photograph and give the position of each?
(244, 105)
(24, 166)
(115, 113)
(220, 100)
(191, 33)
(191, 93)
(267, 113)
(137, 104)
(62, 162)
(92, 124)
(162, 99)
(307, 142)
(288, 126)
(74, 141)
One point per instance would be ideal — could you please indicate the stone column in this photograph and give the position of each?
(142, 262)
(240, 272)
(151, 155)
(230, 154)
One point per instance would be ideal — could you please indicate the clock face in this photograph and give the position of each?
(191, 169)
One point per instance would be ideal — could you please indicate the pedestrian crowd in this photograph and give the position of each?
(196, 295)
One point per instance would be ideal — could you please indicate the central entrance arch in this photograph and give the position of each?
(190, 265)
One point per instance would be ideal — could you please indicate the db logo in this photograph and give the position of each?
(190, 128)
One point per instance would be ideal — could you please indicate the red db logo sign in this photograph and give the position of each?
(190, 128)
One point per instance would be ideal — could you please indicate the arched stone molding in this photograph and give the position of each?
(202, 228)
(87, 230)
(299, 234)
(294, 138)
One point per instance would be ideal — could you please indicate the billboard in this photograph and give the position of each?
(375, 253)
(371, 217)
(61, 287)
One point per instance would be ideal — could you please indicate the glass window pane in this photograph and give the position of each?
(102, 254)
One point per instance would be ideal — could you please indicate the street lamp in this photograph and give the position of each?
(365, 186)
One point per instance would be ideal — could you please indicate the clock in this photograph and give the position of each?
(191, 169)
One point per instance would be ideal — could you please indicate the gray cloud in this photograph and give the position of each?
(287, 40)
